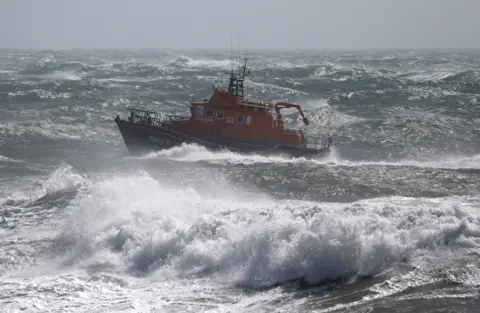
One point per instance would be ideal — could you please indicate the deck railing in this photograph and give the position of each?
(144, 117)
(152, 118)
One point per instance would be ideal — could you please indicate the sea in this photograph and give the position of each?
(389, 221)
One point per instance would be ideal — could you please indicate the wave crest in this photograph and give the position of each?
(146, 227)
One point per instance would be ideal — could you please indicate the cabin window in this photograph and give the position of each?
(240, 118)
(249, 120)
(209, 113)
(219, 114)
(200, 111)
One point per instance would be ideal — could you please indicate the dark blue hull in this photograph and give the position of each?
(144, 138)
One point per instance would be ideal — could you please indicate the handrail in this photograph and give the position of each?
(139, 116)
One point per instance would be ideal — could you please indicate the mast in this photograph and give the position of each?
(235, 86)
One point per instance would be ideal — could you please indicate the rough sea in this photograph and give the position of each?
(388, 222)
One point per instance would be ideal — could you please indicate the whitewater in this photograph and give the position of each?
(389, 221)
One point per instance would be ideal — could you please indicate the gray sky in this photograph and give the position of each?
(253, 24)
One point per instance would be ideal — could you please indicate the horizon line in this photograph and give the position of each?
(243, 50)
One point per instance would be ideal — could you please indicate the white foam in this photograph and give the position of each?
(264, 87)
(63, 178)
(430, 75)
(62, 75)
(49, 128)
(441, 162)
(321, 114)
(9, 160)
(195, 153)
(138, 224)
(208, 63)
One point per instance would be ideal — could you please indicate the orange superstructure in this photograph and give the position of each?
(228, 114)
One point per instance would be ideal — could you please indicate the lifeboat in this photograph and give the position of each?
(226, 120)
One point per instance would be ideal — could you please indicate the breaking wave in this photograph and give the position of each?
(137, 224)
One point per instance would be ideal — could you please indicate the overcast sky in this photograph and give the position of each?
(254, 24)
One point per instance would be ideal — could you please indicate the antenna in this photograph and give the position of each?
(231, 54)
(237, 77)
(239, 49)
